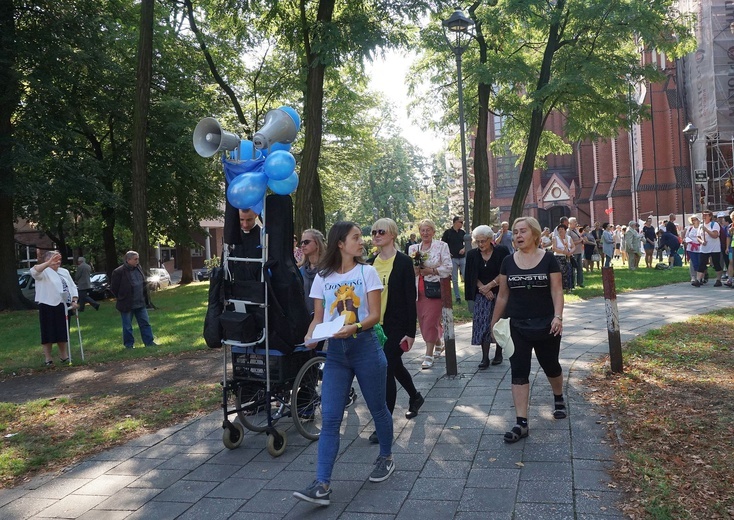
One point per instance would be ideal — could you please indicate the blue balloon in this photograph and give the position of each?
(280, 146)
(279, 165)
(246, 190)
(294, 115)
(246, 150)
(286, 186)
(258, 208)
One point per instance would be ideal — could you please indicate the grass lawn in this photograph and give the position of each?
(177, 324)
(674, 411)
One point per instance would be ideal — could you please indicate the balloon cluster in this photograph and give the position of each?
(251, 170)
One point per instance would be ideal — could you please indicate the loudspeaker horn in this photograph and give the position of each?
(279, 127)
(209, 138)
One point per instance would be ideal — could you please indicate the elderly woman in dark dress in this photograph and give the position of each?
(481, 285)
(55, 293)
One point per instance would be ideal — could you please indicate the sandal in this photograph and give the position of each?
(560, 410)
(427, 362)
(438, 350)
(518, 432)
(50, 363)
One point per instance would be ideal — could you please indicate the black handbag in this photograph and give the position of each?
(533, 328)
(432, 289)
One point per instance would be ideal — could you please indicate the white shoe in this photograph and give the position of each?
(438, 350)
(427, 362)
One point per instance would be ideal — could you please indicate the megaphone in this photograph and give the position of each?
(279, 127)
(209, 138)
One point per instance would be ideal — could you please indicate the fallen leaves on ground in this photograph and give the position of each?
(673, 419)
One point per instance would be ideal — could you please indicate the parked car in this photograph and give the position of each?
(203, 274)
(158, 279)
(100, 286)
(27, 284)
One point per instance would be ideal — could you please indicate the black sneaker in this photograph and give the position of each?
(718, 283)
(383, 469)
(374, 439)
(414, 405)
(316, 493)
(696, 283)
(352, 397)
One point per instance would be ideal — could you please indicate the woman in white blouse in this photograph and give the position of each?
(55, 290)
(431, 261)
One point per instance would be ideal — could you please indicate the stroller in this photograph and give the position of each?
(258, 316)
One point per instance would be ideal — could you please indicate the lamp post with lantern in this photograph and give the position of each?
(691, 133)
(458, 31)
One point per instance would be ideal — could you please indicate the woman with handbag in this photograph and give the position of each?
(398, 314)
(531, 295)
(482, 285)
(346, 287)
(693, 245)
(431, 262)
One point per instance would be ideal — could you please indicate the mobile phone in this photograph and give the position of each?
(404, 345)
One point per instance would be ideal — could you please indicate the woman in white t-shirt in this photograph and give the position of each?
(345, 286)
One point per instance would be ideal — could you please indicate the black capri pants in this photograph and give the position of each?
(703, 261)
(547, 349)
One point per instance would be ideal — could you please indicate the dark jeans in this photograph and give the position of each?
(141, 316)
(84, 298)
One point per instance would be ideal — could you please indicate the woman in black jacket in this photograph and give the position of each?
(398, 315)
(481, 285)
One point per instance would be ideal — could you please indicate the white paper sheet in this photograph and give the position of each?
(326, 330)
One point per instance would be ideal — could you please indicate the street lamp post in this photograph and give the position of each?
(691, 133)
(457, 30)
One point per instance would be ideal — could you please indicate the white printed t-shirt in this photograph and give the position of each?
(712, 245)
(347, 293)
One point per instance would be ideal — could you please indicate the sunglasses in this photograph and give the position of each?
(380, 232)
(304, 242)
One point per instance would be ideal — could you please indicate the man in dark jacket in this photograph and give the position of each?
(454, 237)
(129, 286)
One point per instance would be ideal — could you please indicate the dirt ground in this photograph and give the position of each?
(125, 378)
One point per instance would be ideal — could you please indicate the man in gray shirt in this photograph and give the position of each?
(83, 284)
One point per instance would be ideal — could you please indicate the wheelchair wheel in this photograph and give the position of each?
(276, 444)
(306, 398)
(232, 438)
(253, 413)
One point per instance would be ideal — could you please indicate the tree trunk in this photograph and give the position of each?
(309, 210)
(537, 118)
(10, 295)
(482, 196)
(187, 271)
(481, 214)
(140, 120)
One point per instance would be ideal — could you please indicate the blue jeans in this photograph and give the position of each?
(579, 269)
(458, 265)
(141, 315)
(346, 358)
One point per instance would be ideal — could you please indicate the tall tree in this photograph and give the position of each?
(10, 295)
(141, 107)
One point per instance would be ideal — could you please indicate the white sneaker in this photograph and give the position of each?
(427, 362)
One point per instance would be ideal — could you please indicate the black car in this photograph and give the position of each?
(100, 286)
(203, 274)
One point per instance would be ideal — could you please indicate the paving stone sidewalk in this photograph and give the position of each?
(451, 460)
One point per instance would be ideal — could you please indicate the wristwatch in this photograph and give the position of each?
(359, 327)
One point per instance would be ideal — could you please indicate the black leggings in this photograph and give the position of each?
(396, 371)
(547, 351)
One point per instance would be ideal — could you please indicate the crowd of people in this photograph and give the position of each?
(385, 294)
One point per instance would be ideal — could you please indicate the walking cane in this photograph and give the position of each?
(68, 334)
(79, 330)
